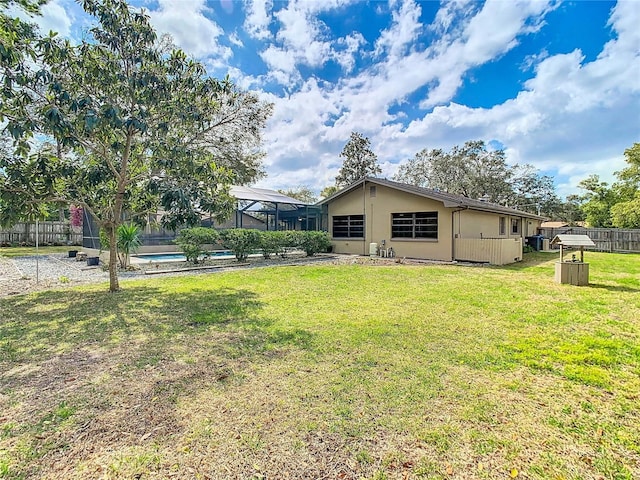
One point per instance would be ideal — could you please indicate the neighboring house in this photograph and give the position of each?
(553, 224)
(421, 223)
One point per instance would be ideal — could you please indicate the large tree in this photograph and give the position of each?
(328, 191)
(474, 171)
(135, 127)
(470, 170)
(596, 201)
(359, 160)
(302, 193)
(534, 192)
(626, 212)
(617, 205)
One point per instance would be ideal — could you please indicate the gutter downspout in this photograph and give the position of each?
(364, 213)
(453, 230)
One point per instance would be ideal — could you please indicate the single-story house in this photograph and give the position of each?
(380, 216)
(553, 224)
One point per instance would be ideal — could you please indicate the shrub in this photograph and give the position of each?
(288, 239)
(270, 243)
(192, 240)
(242, 241)
(128, 241)
(313, 242)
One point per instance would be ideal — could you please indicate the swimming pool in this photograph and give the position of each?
(176, 257)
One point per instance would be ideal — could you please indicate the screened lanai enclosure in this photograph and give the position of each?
(258, 208)
(270, 210)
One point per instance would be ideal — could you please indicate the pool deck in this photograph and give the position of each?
(141, 260)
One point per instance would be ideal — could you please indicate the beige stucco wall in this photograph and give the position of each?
(378, 210)
(475, 224)
(531, 226)
(452, 223)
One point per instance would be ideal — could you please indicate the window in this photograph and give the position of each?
(503, 225)
(515, 226)
(414, 225)
(372, 191)
(348, 226)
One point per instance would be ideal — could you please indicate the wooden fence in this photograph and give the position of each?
(606, 239)
(496, 251)
(49, 233)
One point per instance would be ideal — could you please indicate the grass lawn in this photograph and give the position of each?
(328, 371)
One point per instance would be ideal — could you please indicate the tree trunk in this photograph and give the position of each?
(114, 285)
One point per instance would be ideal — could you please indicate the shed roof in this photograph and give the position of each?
(573, 241)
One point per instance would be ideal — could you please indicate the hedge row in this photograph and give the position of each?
(244, 241)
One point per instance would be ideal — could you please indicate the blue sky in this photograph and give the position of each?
(555, 83)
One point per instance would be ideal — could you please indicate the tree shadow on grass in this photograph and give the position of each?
(122, 364)
(614, 288)
(144, 318)
(532, 259)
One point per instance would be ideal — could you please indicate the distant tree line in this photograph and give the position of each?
(617, 205)
(474, 171)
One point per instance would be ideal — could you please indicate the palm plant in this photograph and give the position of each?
(128, 241)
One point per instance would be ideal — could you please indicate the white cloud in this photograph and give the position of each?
(532, 60)
(346, 57)
(403, 32)
(301, 34)
(561, 121)
(278, 59)
(258, 18)
(57, 18)
(486, 36)
(573, 118)
(449, 13)
(304, 40)
(235, 40)
(190, 28)
(362, 103)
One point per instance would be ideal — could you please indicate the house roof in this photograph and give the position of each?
(449, 200)
(554, 224)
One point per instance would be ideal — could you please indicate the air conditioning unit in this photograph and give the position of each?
(373, 249)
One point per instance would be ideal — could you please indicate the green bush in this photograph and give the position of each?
(270, 243)
(313, 242)
(192, 240)
(289, 239)
(242, 241)
(128, 242)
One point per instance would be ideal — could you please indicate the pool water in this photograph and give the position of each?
(177, 257)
